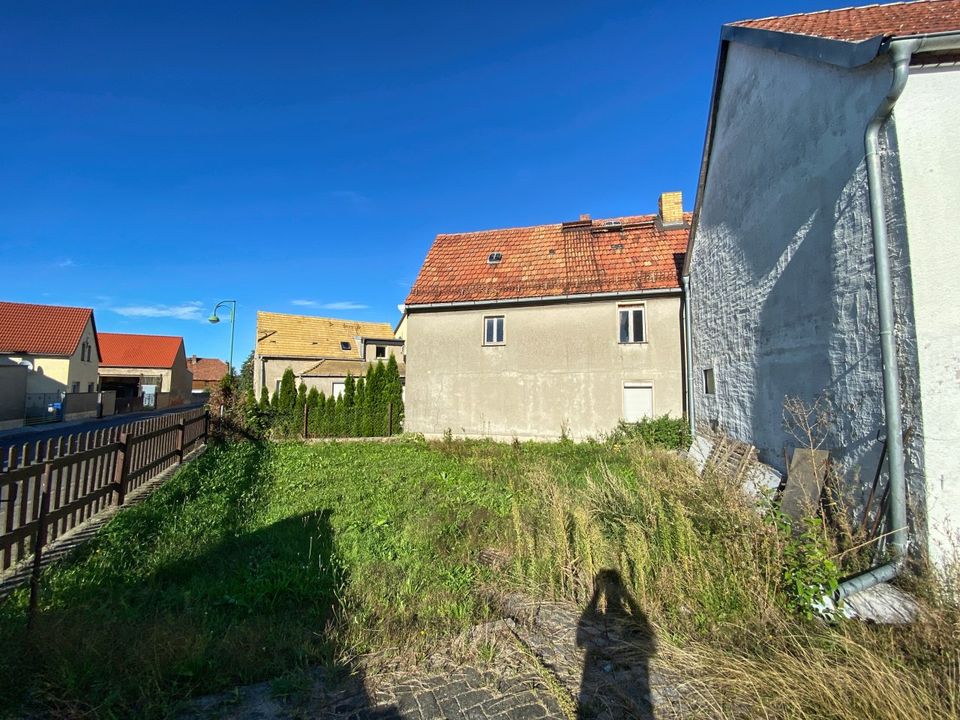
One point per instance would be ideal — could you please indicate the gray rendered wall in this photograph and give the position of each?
(782, 273)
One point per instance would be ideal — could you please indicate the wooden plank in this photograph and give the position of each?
(9, 514)
(139, 474)
(805, 478)
(79, 502)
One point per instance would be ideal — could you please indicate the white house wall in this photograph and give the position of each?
(928, 128)
(782, 273)
(560, 370)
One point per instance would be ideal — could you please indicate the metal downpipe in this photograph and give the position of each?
(688, 355)
(900, 53)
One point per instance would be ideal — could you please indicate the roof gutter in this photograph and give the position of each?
(688, 357)
(413, 307)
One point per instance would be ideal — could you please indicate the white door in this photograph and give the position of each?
(637, 402)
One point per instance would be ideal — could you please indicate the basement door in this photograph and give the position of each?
(637, 402)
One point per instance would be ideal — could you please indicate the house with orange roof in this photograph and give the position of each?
(548, 331)
(57, 344)
(46, 351)
(207, 372)
(148, 367)
(823, 255)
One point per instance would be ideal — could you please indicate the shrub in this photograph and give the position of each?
(664, 431)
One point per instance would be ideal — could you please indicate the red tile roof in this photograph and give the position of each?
(147, 351)
(208, 369)
(862, 23)
(41, 329)
(552, 260)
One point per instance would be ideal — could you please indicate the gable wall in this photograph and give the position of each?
(561, 369)
(782, 272)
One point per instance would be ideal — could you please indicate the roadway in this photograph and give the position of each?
(32, 433)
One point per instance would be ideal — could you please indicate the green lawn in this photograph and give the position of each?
(256, 561)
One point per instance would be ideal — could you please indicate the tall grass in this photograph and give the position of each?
(261, 559)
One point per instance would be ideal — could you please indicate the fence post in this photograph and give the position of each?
(206, 426)
(180, 428)
(389, 417)
(38, 545)
(120, 470)
(306, 420)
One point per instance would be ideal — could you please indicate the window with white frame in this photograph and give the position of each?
(493, 330)
(633, 323)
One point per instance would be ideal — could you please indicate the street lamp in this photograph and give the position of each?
(233, 313)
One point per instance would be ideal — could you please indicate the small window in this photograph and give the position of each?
(493, 330)
(633, 323)
(381, 351)
(494, 257)
(344, 345)
(75, 388)
(89, 387)
(708, 382)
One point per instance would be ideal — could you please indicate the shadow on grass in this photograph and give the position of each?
(120, 636)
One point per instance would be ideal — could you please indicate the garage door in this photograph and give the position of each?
(637, 402)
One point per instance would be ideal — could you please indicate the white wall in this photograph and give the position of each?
(561, 369)
(782, 273)
(928, 128)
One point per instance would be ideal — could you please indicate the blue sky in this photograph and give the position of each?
(300, 157)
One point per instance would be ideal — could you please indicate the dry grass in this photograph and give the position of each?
(706, 567)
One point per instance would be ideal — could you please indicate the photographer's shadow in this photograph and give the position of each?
(618, 642)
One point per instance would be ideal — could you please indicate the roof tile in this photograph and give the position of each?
(552, 260)
(147, 351)
(862, 23)
(41, 329)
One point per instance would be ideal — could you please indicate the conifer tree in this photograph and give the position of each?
(264, 400)
(287, 397)
(313, 405)
(394, 393)
(330, 417)
(359, 408)
(349, 391)
(301, 397)
(339, 417)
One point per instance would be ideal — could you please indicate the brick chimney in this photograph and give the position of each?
(584, 217)
(671, 209)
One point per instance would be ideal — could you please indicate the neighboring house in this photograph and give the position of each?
(207, 372)
(788, 254)
(320, 351)
(13, 393)
(58, 346)
(153, 367)
(551, 330)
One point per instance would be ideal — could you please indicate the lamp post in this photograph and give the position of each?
(233, 314)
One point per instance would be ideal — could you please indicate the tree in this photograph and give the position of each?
(264, 400)
(287, 397)
(359, 409)
(394, 393)
(301, 397)
(349, 391)
(246, 373)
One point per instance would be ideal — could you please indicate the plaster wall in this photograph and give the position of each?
(927, 130)
(782, 272)
(13, 389)
(561, 369)
(163, 373)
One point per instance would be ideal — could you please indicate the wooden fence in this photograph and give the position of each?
(50, 487)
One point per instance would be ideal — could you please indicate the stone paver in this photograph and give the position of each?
(549, 660)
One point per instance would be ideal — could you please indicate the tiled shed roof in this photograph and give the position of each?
(623, 254)
(305, 336)
(206, 369)
(136, 351)
(862, 23)
(41, 329)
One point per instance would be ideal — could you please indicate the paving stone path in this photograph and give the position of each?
(543, 660)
